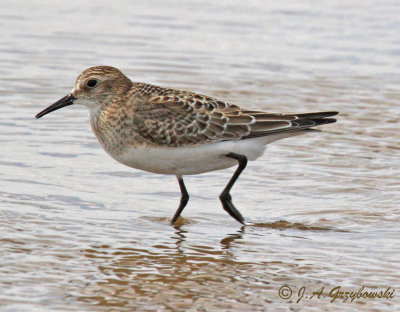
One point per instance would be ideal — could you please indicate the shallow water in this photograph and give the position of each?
(80, 232)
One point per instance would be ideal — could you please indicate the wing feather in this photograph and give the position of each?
(171, 117)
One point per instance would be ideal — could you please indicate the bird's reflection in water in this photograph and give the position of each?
(227, 242)
(172, 272)
(176, 270)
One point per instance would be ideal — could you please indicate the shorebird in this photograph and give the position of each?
(168, 131)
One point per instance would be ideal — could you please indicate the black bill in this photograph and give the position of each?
(65, 101)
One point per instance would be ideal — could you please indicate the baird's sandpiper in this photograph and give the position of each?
(176, 132)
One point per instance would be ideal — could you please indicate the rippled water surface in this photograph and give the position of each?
(81, 232)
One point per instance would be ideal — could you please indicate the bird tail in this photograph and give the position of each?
(318, 119)
(287, 124)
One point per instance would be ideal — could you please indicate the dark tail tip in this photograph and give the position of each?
(319, 115)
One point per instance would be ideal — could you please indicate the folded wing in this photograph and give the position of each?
(174, 118)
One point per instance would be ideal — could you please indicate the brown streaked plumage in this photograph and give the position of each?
(170, 131)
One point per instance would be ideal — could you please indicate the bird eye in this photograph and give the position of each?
(91, 83)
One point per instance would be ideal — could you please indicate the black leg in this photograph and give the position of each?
(225, 197)
(184, 199)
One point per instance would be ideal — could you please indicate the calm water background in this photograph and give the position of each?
(80, 232)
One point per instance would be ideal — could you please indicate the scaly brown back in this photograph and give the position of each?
(171, 117)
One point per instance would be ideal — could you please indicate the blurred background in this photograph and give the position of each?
(81, 232)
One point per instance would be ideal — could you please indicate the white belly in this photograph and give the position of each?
(192, 159)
